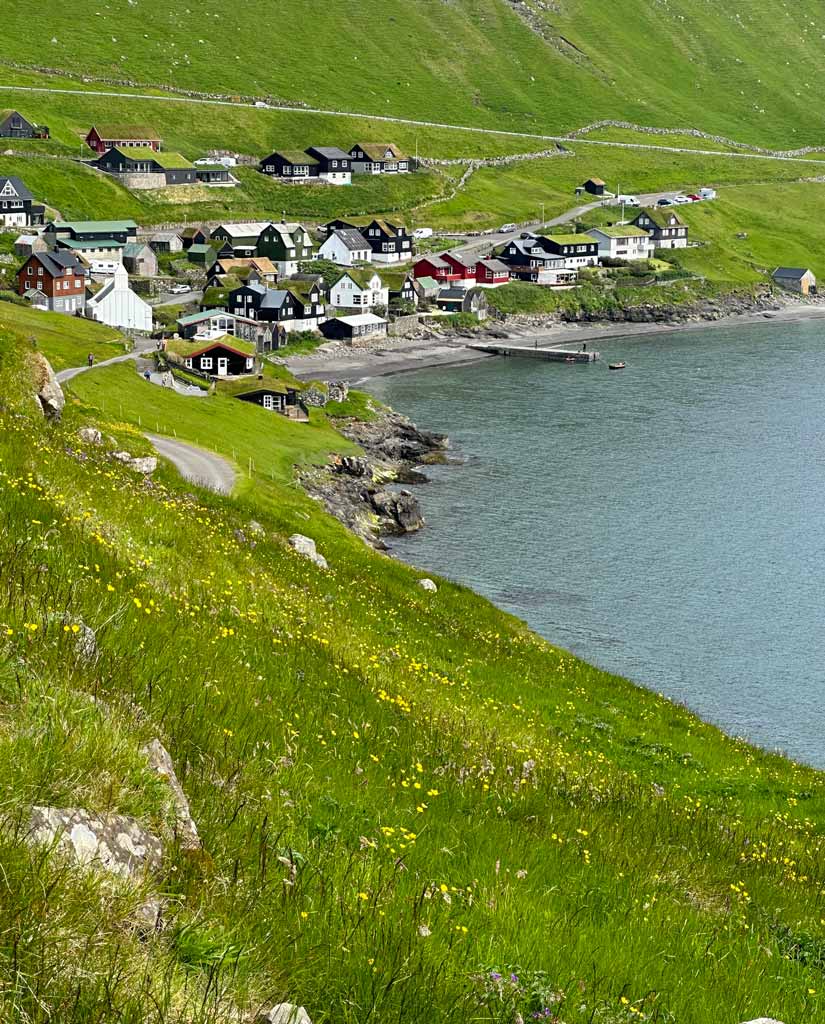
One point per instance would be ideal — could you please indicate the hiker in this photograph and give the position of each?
(90, 359)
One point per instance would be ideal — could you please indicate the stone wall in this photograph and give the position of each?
(403, 326)
(142, 181)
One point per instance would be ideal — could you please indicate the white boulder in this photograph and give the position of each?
(284, 1013)
(428, 584)
(306, 546)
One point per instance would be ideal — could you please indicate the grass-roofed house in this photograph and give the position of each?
(269, 393)
(291, 165)
(359, 289)
(795, 279)
(665, 226)
(623, 242)
(378, 158)
(102, 137)
(92, 239)
(14, 126)
(222, 357)
(142, 168)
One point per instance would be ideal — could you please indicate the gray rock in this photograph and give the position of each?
(428, 584)
(90, 435)
(402, 511)
(284, 1013)
(148, 918)
(186, 831)
(763, 1020)
(256, 529)
(145, 465)
(314, 396)
(306, 546)
(116, 843)
(49, 392)
(338, 390)
(353, 465)
(123, 457)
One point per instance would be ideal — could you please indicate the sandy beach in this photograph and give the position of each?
(403, 355)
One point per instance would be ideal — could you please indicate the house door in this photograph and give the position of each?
(223, 366)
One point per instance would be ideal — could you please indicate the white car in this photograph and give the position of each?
(508, 227)
(627, 200)
(681, 200)
(423, 233)
(179, 289)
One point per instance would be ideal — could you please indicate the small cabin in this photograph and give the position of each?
(220, 359)
(276, 397)
(593, 187)
(795, 279)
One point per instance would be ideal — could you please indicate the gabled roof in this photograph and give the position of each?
(450, 294)
(293, 156)
(207, 314)
(168, 160)
(15, 183)
(394, 279)
(247, 229)
(361, 319)
(240, 348)
(274, 298)
(595, 181)
(87, 226)
(329, 152)
(55, 263)
(193, 230)
(119, 132)
(378, 151)
(97, 243)
(466, 261)
(167, 236)
(661, 217)
(496, 266)
(621, 231)
(200, 248)
(134, 248)
(434, 261)
(361, 277)
(351, 238)
(386, 227)
(569, 239)
(791, 273)
(8, 111)
(427, 283)
(261, 263)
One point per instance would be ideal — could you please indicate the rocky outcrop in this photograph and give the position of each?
(116, 843)
(306, 546)
(185, 830)
(428, 585)
(354, 488)
(140, 464)
(284, 1013)
(49, 394)
(90, 435)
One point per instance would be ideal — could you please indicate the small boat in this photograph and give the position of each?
(616, 366)
(570, 359)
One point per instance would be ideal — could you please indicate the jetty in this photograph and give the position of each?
(553, 355)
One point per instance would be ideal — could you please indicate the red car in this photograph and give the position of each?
(694, 198)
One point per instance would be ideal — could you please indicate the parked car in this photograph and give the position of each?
(665, 202)
(681, 200)
(707, 193)
(627, 200)
(179, 289)
(694, 198)
(423, 233)
(509, 227)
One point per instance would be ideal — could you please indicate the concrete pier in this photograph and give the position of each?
(553, 355)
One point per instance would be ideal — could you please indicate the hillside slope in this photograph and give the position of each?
(749, 68)
(410, 808)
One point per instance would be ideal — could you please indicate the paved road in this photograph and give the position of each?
(196, 465)
(289, 108)
(65, 375)
(183, 299)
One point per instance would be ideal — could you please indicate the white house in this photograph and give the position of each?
(345, 247)
(15, 203)
(359, 289)
(118, 306)
(623, 242)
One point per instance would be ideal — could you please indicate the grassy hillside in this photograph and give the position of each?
(411, 807)
(747, 69)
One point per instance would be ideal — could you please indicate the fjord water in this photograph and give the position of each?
(665, 522)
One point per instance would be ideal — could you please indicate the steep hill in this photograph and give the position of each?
(750, 67)
(408, 807)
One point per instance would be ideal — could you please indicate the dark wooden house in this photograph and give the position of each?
(390, 243)
(290, 164)
(196, 234)
(220, 359)
(59, 277)
(333, 164)
(14, 126)
(378, 158)
(15, 203)
(136, 164)
(276, 397)
(593, 187)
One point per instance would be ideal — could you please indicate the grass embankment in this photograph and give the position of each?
(750, 71)
(401, 796)
(66, 340)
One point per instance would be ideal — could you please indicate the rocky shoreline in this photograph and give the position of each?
(362, 491)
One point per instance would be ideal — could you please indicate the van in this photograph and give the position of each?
(508, 227)
(707, 193)
(627, 200)
(423, 233)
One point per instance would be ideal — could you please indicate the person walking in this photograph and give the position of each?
(90, 359)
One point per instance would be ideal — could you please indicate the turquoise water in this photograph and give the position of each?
(666, 522)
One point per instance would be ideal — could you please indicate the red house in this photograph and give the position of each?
(463, 268)
(490, 273)
(56, 280)
(103, 137)
(435, 267)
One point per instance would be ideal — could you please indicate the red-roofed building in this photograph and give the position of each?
(220, 360)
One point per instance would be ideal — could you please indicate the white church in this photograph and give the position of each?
(118, 306)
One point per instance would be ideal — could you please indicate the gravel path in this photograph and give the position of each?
(195, 464)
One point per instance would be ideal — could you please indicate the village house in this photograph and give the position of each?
(665, 226)
(378, 158)
(435, 267)
(274, 396)
(108, 136)
(220, 358)
(215, 323)
(359, 289)
(260, 267)
(390, 243)
(333, 164)
(15, 203)
(244, 238)
(201, 254)
(25, 245)
(215, 176)
(118, 306)
(139, 259)
(166, 241)
(464, 268)
(400, 288)
(290, 165)
(795, 279)
(122, 231)
(58, 277)
(426, 288)
(352, 328)
(530, 260)
(287, 245)
(593, 187)
(337, 225)
(463, 300)
(14, 126)
(491, 273)
(577, 250)
(291, 310)
(195, 234)
(139, 167)
(623, 242)
(345, 247)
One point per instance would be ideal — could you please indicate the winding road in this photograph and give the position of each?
(196, 465)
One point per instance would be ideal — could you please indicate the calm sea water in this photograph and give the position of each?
(666, 522)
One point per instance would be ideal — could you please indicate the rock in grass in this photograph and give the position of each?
(763, 1020)
(49, 393)
(284, 1013)
(306, 546)
(116, 843)
(160, 761)
(428, 584)
(90, 435)
(145, 465)
(400, 510)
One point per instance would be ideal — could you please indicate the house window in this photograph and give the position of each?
(29, 271)
(188, 362)
(269, 402)
(206, 362)
(249, 362)
(334, 163)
